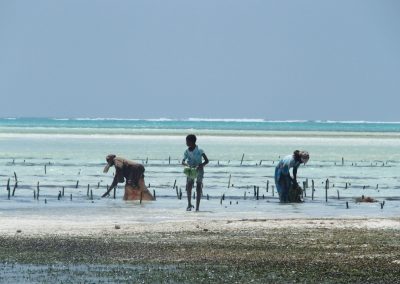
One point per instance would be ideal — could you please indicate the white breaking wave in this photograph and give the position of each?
(159, 119)
(287, 121)
(356, 122)
(123, 119)
(194, 119)
(225, 119)
(104, 119)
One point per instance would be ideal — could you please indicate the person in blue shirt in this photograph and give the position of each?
(283, 180)
(193, 158)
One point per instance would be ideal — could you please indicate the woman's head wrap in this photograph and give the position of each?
(304, 156)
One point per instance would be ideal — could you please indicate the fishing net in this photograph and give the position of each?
(295, 193)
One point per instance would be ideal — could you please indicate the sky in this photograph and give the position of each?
(276, 60)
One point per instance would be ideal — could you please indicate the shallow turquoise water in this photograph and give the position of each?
(371, 166)
(96, 125)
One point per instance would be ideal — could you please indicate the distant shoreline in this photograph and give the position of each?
(235, 127)
(197, 119)
(40, 132)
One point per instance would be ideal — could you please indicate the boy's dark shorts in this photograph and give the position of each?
(199, 179)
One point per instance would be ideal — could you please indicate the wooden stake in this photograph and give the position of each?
(88, 188)
(267, 185)
(312, 189)
(15, 186)
(241, 162)
(38, 190)
(141, 197)
(347, 205)
(326, 193)
(77, 184)
(229, 182)
(114, 192)
(174, 184)
(91, 194)
(63, 191)
(8, 189)
(338, 196)
(15, 176)
(154, 194)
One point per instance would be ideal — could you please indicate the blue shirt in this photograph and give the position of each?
(287, 163)
(194, 158)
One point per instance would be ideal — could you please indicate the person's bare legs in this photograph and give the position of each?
(198, 194)
(189, 186)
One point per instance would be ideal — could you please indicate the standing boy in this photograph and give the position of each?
(192, 158)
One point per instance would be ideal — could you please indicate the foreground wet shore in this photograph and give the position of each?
(229, 251)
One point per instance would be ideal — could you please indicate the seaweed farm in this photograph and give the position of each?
(44, 172)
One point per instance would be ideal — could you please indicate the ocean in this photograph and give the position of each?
(136, 126)
(69, 154)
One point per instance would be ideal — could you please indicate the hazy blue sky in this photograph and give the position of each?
(336, 60)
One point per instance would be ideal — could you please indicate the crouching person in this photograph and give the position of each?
(133, 173)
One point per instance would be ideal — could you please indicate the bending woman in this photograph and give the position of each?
(133, 173)
(283, 180)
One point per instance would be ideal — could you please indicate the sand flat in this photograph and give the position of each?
(324, 250)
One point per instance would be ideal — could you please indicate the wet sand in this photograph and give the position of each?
(202, 251)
